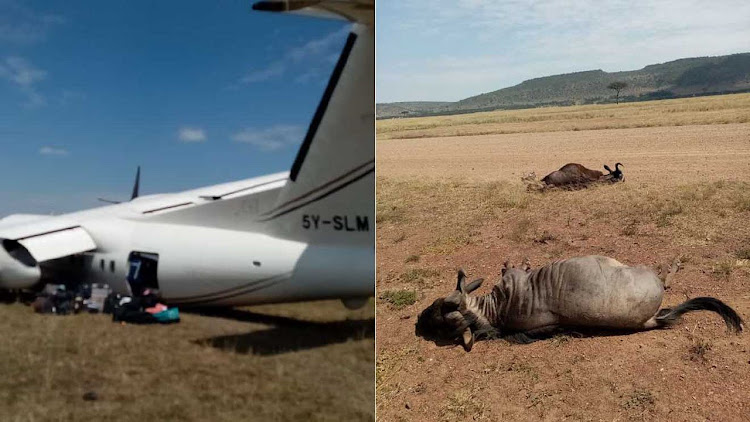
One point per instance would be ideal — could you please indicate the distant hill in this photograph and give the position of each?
(678, 78)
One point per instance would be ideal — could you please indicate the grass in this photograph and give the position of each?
(457, 211)
(318, 355)
(698, 350)
(464, 404)
(521, 229)
(544, 238)
(412, 258)
(631, 228)
(399, 298)
(393, 214)
(528, 374)
(449, 242)
(560, 340)
(723, 269)
(403, 202)
(668, 210)
(639, 400)
(418, 275)
(743, 253)
(721, 109)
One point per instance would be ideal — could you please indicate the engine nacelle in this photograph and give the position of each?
(354, 303)
(18, 269)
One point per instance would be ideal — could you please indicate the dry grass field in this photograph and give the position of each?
(308, 361)
(723, 109)
(458, 201)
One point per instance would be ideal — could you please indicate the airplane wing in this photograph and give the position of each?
(360, 11)
(15, 219)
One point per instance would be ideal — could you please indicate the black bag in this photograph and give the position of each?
(133, 312)
(111, 302)
(62, 302)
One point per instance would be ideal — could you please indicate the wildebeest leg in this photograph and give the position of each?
(530, 336)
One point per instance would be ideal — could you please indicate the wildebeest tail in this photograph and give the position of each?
(669, 316)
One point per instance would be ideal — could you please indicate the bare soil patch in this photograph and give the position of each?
(663, 154)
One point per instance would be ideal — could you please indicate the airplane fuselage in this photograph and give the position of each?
(206, 266)
(194, 264)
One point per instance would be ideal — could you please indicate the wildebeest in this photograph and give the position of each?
(591, 291)
(576, 175)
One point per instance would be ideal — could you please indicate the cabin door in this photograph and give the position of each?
(142, 272)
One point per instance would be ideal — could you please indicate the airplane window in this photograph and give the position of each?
(112, 266)
(101, 264)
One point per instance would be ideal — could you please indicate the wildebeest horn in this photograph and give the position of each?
(618, 165)
(474, 285)
(467, 339)
(460, 285)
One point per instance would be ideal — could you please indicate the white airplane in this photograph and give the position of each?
(300, 235)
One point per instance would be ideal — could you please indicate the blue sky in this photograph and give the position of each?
(446, 50)
(196, 92)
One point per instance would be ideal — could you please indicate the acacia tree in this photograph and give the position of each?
(617, 86)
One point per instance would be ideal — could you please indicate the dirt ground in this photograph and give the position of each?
(452, 202)
(306, 361)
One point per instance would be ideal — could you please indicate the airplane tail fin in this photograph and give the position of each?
(330, 194)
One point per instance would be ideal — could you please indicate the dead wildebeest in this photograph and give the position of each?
(593, 292)
(575, 175)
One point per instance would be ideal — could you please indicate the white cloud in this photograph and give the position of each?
(21, 25)
(67, 96)
(271, 138)
(191, 135)
(48, 150)
(21, 72)
(317, 48)
(309, 59)
(274, 69)
(24, 75)
(495, 44)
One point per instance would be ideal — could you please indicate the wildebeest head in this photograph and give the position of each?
(447, 319)
(615, 176)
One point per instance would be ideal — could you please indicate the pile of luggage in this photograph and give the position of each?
(145, 308)
(60, 300)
